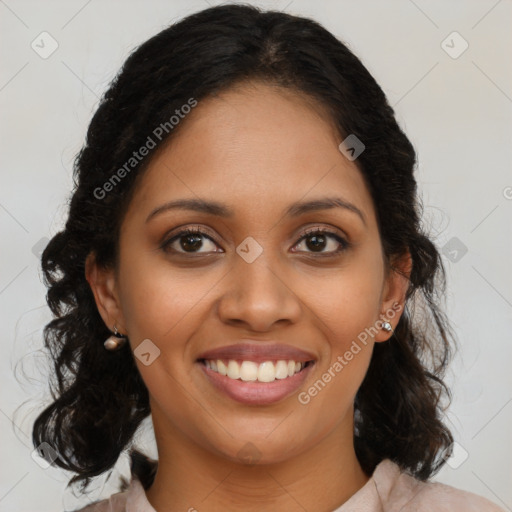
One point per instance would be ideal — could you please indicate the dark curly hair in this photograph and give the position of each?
(99, 396)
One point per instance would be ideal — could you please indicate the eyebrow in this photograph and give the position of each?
(221, 210)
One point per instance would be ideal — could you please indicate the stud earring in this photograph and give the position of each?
(115, 341)
(386, 326)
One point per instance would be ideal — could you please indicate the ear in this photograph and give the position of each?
(394, 291)
(104, 288)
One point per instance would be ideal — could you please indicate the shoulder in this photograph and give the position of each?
(400, 491)
(115, 503)
(132, 499)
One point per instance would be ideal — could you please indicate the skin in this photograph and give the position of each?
(257, 148)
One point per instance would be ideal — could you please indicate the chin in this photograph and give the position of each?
(259, 450)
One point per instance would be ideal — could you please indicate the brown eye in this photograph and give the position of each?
(188, 241)
(319, 239)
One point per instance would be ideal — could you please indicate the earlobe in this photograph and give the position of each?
(103, 286)
(394, 295)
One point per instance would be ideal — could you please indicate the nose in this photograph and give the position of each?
(258, 295)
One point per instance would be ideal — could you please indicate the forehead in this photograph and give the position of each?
(254, 146)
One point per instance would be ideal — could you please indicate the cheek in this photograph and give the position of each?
(330, 396)
(348, 308)
(347, 305)
(349, 300)
(157, 301)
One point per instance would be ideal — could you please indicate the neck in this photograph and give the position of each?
(190, 477)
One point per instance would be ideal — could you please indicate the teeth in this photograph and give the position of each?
(267, 372)
(221, 368)
(281, 370)
(233, 370)
(249, 371)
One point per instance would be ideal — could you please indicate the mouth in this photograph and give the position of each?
(256, 382)
(253, 371)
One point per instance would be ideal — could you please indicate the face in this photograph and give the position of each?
(268, 274)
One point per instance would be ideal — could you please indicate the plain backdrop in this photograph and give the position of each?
(452, 93)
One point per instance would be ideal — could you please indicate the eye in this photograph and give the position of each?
(191, 241)
(316, 240)
(188, 241)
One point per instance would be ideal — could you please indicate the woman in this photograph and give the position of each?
(243, 260)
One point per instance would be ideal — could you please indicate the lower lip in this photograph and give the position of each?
(256, 393)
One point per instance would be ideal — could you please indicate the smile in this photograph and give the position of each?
(251, 371)
(256, 384)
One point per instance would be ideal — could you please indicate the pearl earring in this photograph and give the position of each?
(115, 341)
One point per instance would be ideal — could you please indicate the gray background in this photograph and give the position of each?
(456, 109)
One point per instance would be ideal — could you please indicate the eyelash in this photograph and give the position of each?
(344, 245)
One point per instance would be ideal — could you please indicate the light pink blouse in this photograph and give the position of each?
(388, 490)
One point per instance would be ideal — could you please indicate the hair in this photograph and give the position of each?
(99, 397)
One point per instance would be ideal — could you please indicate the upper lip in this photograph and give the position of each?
(258, 352)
